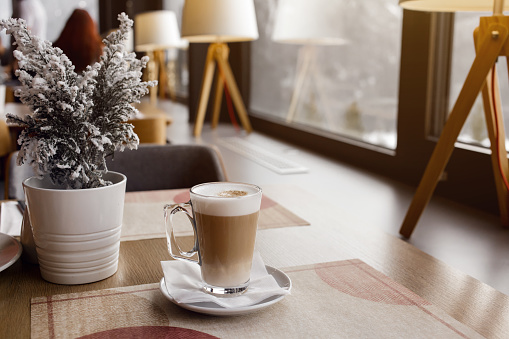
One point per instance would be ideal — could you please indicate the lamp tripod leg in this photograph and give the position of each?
(302, 70)
(160, 57)
(234, 92)
(484, 60)
(496, 135)
(205, 90)
(152, 75)
(217, 101)
(219, 88)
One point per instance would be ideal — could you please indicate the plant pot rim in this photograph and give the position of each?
(116, 177)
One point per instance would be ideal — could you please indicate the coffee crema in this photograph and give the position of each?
(232, 194)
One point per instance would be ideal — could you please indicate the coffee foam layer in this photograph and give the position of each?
(226, 199)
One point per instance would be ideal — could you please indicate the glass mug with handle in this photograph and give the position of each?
(224, 219)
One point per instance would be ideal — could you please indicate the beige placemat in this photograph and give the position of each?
(340, 299)
(143, 215)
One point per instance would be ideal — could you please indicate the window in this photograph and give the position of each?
(58, 11)
(349, 90)
(422, 104)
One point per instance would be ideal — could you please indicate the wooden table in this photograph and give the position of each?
(466, 299)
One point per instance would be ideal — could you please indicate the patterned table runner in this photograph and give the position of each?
(143, 215)
(339, 299)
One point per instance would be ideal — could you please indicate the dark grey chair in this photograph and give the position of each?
(155, 167)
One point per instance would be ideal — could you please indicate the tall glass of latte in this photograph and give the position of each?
(224, 218)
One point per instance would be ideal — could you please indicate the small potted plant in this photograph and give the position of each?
(77, 120)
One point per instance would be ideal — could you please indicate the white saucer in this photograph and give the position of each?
(213, 309)
(10, 251)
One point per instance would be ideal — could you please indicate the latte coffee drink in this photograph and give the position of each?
(225, 217)
(226, 247)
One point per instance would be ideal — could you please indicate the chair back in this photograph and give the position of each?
(155, 167)
(150, 167)
(14, 177)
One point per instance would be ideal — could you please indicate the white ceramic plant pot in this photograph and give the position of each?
(76, 232)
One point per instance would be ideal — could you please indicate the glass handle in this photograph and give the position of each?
(173, 248)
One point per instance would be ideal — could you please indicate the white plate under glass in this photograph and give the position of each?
(213, 309)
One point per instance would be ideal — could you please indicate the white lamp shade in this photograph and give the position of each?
(309, 22)
(129, 42)
(219, 21)
(156, 30)
(451, 5)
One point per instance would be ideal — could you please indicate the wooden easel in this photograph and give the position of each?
(491, 40)
(218, 53)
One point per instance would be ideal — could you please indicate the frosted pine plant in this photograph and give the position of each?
(77, 120)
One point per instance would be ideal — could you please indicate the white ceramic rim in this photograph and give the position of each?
(71, 191)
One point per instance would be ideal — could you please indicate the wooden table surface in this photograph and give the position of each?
(466, 299)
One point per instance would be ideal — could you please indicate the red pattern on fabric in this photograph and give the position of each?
(267, 203)
(51, 318)
(358, 279)
(182, 197)
(361, 281)
(154, 332)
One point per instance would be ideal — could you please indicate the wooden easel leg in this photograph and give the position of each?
(234, 92)
(302, 70)
(485, 58)
(205, 90)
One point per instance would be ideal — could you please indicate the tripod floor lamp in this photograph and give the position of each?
(310, 24)
(491, 40)
(155, 32)
(218, 22)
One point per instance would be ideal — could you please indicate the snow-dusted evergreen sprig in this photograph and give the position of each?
(76, 120)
